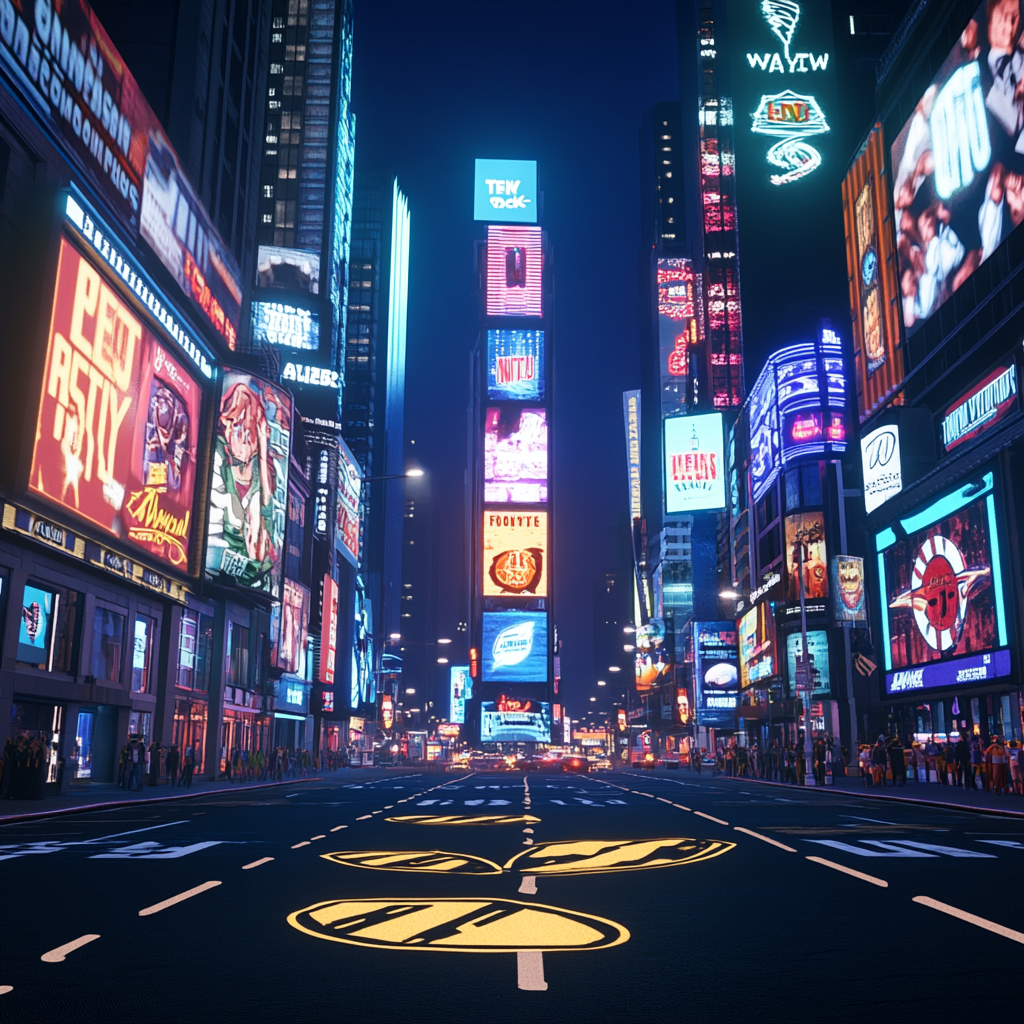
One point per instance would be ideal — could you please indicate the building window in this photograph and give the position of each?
(107, 644)
(195, 651)
(268, 191)
(238, 656)
(142, 653)
(276, 37)
(49, 625)
(278, 69)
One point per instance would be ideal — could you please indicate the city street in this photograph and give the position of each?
(667, 893)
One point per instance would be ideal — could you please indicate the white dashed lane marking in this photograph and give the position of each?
(963, 915)
(850, 871)
(56, 956)
(187, 895)
(257, 863)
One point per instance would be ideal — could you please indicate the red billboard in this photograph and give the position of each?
(118, 421)
(328, 632)
(515, 271)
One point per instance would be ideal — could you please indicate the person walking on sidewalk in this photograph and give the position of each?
(995, 761)
(878, 761)
(188, 767)
(819, 762)
(977, 763)
(963, 760)
(154, 763)
(897, 762)
(1016, 777)
(172, 765)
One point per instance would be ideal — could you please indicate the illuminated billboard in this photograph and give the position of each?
(958, 163)
(515, 549)
(458, 677)
(881, 465)
(290, 628)
(118, 426)
(758, 640)
(516, 455)
(515, 365)
(505, 190)
(350, 483)
(287, 325)
(679, 319)
(515, 647)
(981, 407)
(510, 720)
(515, 271)
(805, 538)
(294, 269)
(328, 632)
(694, 467)
(249, 493)
(943, 610)
(871, 267)
(716, 672)
(363, 684)
(817, 649)
(849, 602)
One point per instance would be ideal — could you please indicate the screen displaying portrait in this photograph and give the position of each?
(516, 455)
(759, 655)
(37, 612)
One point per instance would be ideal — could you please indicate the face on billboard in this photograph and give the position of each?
(515, 647)
(942, 592)
(515, 365)
(280, 323)
(515, 271)
(759, 656)
(290, 648)
(118, 419)
(516, 455)
(958, 163)
(694, 469)
(294, 269)
(716, 671)
(505, 190)
(805, 538)
(817, 648)
(849, 603)
(248, 496)
(678, 329)
(515, 554)
(350, 482)
(509, 720)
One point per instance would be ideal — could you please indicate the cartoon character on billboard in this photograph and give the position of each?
(848, 588)
(166, 446)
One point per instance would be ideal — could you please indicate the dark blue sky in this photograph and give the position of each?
(436, 85)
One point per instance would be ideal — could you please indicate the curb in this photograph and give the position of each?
(11, 819)
(997, 812)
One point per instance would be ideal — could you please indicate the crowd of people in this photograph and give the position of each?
(778, 762)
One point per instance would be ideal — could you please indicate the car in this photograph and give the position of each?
(601, 762)
(575, 764)
(669, 762)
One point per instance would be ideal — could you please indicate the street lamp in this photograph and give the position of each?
(394, 476)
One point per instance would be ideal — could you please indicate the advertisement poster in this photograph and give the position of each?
(289, 646)
(759, 646)
(805, 538)
(118, 420)
(37, 611)
(849, 603)
(505, 190)
(716, 672)
(942, 594)
(678, 319)
(515, 547)
(817, 648)
(363, 684)
(958, 163)
(694, 467)
(981, 407)
(248, 497)
(515, 271)
(281, 323)
(296, 270)
(515, 647)
(765, 448)
(631, 422)
(516, 455)
(458, 676)
(350, 484)
(329, 633)
(881, 465)
(508, 720)
(515, 365)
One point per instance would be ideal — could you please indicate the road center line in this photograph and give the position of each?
(313, 839)
(338, 828)
(305, 842)
(981, 922)
(757, 835)
(849, 871)
(664, 800)
(56, 956)
(530, 965)
(681, 807)
(188, 894)
(135, 831)
(711, 817)
(257, 863)
(364, 817)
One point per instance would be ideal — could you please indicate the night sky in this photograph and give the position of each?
(436, 85)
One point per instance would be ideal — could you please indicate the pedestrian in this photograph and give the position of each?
(962, 753)
(931, 763)
(122, 768)
(995, 761)
(1016, 778)
(977, 764)
(897, 762)
(819, 762)
(949, 758)
(7, 775)
(172, 765)
(154, 763)
(878, 760)
(188, 767)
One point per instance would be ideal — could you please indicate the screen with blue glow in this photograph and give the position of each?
(515, 647)
(505, 191)
(515, 365)
(281, 323)
(515, 721)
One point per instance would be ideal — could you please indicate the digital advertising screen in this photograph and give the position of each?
(515, 550)
(510, 720)
(805, 538)
(350, 484)
(849, 600)
(458, 676)
(679, 318)
(292, 615)
(759, 646)
(515, 647)
(515, 365)
(958, 163)
(287, 325)
(293, 269)
(363, 684)
(516, 455)
(765, 450)
(694, 466)
(329, 633)
(980, 407)
(515, 271)
(944, 617)
(118, 426)
(38, 608)
(505, 190)
(881, 465)
(716, 672)
(817, 648)
(249, 493)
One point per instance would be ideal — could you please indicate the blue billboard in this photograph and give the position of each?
(505, 191)
(515, 365)
(460, 684)
(515, 647)
(716, 672)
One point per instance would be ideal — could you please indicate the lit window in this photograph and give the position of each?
(278, 23)
(268, 218)
(272, 139)
(268, 191)
(274, 104)
(276, 37)
(272, 92)
(277, 69)
(666, 149)
(271, 152)
(666, 161)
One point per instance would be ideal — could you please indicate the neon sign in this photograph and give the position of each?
(980, 408)
(300, 373)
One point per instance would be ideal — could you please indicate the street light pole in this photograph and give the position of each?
(804, 671)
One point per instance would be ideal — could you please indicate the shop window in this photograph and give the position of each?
(107, 644)
(142, 654)
(35, 732)
(139, 725)
(195, 651)
(49, 624)
(238, 656)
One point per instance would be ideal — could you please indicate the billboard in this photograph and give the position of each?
(249, 493)
(958, 163)
(292, 622)
(759, 646)
(805, 538)
(631, 418)
(118, 425)
(35, 631)
(505, 190)
(694, 467)
(515, 647)
(849, 603)
(281, 323)
(363, 685)
(881, 465)
(509, 720)
(871, 268)
(328, 632)
(294, 269)
(515, 550)
(515, 271)
(350, 484)
(679, 312)
(817, 649)
(981, 407)
(941, 586)
(515, 365)
(516, 455)
(716, 672)
(458, 690)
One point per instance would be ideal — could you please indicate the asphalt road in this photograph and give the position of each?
(664, 896)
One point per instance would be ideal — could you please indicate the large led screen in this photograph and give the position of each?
(515, 647)
(716, 672)
(758, 640)
(805, 539)
(516, 455)
(509, 720)
(515, 554)
(458, 677)
(694, 467)
(118, 426)
(35, 630)
(515, 365)
(678, 323)
(281, 323)
(249, 494)
(940, 578)
(290, 628)
(350, 483)
(515, 271)
(817, 648)
(293, 269)
(958, 163)
(505, 190)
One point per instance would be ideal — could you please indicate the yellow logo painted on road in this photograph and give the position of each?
(457, 925)
(589, 857)
(465, 819)
(434, 861)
